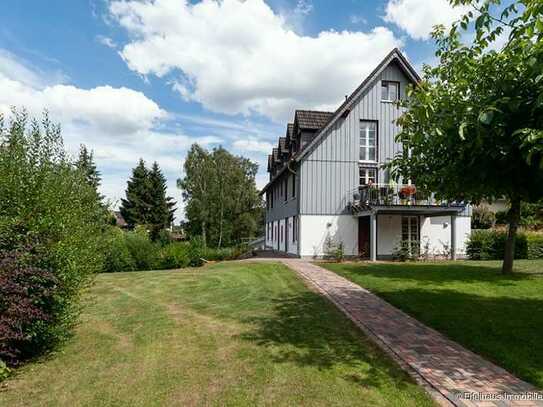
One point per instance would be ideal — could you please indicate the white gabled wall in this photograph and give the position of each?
(315, 229)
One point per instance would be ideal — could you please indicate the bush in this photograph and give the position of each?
(196, 251)
(143, 251)
(5, 371)
(490, 245)
(482, 218)
(535, 245)
(46, 203)
(116, 253)
(502, 218)
(406, 250)
(174, 255)
(27, 307)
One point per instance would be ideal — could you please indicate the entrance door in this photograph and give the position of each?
(364, 237)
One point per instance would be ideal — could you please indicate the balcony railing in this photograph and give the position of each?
(394, 194)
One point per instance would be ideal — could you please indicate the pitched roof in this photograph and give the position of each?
(283, 145)
(312, 119)
(290, 129)
(394, 56)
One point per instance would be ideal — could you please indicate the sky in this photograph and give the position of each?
(146, 79)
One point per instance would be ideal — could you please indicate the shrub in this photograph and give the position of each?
(116, 253)
(5, 371)
(174, 255)
(143, 251)
(535, 245)
(490, 245)
(502, 218)
(406, 250)
(196, 250)
(482, 218)
(46, 202)
(27, 307)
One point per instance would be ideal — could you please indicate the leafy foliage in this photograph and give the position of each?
(85, 163)
(26, 307)
(48, 205)
(490, 245)
(482, 218)
(222, 202)
(474, 125)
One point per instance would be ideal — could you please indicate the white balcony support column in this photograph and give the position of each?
(453, 237)
(373, 237)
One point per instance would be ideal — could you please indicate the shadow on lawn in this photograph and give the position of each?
(508, 331)
(307, 330)
(431, 272)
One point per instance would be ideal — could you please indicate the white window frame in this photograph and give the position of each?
(386, 84)
(366, 175)
(364, 137)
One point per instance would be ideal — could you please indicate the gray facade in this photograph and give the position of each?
(330, 171)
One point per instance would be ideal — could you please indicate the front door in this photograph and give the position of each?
(364, 237)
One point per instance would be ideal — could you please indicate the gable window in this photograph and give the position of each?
(390, 91)
(368, 141)
(367, 176)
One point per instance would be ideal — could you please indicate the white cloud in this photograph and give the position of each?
(252, 144)
(108, 42)
(358, 19)
(418, 17)
(119, 124)
(240, 57)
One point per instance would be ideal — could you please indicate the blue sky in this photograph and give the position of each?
(146, 79)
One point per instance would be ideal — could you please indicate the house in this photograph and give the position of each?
(327, 186)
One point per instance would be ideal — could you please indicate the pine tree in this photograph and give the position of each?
(162, 207)
(136, 207)
(85, 163)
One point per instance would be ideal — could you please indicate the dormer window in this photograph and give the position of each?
(390, 91)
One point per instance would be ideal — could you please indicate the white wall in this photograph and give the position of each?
(315, 229)
(292, 244)
(437, 232)
(389, 233)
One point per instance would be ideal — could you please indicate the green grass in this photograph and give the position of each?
(497, 316)
(228, 334)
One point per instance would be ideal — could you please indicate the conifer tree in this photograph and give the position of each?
(162, 207)
(136, 207)
(85, 163)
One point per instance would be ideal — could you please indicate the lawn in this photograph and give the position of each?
(228, 334)
(497, 316)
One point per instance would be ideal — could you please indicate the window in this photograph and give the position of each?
(367, 176)
(293, 185)
(390, 91)
(410, 232)
(271, 198)
(294, 228)
(368, 141)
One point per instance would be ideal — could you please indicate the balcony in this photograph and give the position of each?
(398, 196)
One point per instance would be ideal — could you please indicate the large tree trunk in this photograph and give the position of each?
(509, 254)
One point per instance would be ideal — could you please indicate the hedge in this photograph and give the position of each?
(490, 245)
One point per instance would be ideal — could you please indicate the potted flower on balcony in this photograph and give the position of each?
(406, 192)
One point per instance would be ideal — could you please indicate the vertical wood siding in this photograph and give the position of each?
(329, 174)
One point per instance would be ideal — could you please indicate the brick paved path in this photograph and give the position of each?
(443, 367)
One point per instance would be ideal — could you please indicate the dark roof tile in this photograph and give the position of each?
(312, 119)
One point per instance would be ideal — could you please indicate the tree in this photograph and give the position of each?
(219, 188)
(473, 126)
(162, 207)
(51, 236)
(136, 207)
(85, 163)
